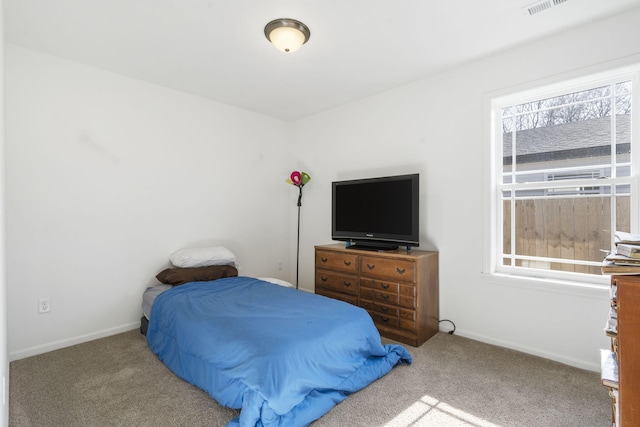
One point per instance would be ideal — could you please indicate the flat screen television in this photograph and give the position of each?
(376, 213)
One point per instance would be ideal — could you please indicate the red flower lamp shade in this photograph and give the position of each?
(299, 179)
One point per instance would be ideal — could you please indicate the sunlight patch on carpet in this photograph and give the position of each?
(429, 411)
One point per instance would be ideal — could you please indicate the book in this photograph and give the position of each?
(609, 267)
(608, 369)
(613, 293)
(621, 237)
(628, 250)
(622, 259)
(613, 393)
(611, 326)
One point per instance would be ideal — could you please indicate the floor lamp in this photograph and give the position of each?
(299, 179)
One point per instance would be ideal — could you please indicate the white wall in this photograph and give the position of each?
(107, 176)
(438, 127)
(4, 359)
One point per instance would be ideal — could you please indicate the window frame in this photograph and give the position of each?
(494, 234)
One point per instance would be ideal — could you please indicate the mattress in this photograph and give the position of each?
(282, 356)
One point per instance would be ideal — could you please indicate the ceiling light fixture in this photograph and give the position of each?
(287, 34)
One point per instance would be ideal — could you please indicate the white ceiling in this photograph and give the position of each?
(217, 49)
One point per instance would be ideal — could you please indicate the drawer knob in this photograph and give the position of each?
(384, 286)
(385, 309)
(385, 319)
(347, 263)
(347, 284)
(324, 279)
(371, 266)
(400, 270)
(323, 259)
(384, 296)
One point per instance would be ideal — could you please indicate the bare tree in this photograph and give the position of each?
(569, 108)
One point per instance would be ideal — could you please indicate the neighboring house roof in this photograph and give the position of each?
(586, 138)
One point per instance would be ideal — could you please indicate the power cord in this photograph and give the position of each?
(454, 325)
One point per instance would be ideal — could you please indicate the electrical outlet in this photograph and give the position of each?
(44, 305)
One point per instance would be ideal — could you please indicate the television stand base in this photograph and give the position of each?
(377, 247)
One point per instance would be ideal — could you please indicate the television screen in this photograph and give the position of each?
(377, 212)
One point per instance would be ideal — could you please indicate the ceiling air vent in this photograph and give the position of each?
(541, 6)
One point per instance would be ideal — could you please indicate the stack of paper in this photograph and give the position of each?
(608, 369)
(626, 257)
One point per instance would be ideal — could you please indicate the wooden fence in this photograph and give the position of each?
(566, 228)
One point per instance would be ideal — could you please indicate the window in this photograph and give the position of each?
(563, 176)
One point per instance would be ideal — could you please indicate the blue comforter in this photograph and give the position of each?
(285, 357)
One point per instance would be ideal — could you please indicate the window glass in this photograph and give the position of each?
(564, 177)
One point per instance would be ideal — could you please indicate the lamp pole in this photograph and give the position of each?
(298, 240)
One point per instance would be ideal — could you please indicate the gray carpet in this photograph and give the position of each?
(117, 381)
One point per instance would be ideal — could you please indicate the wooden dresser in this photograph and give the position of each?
(626, 346)
(398, 288)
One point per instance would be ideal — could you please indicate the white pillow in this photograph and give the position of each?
(202, 257)
(276, 281)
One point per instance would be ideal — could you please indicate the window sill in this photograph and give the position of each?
(566, 287)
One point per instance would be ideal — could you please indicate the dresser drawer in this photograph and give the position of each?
(408, 320)
(385, 297)
(392, 269)
(366, 283)
(385, 309)
(407, 296)
(390, 287)
(386, 320)
(337, 261)
(407, 302)
(366, 304)
(365, 292)
(337, 283)
(351, 299)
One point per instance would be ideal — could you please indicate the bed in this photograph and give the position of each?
(284, 357)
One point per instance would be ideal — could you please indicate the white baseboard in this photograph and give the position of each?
(45, 348)
(33, 351)
(577, 363)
